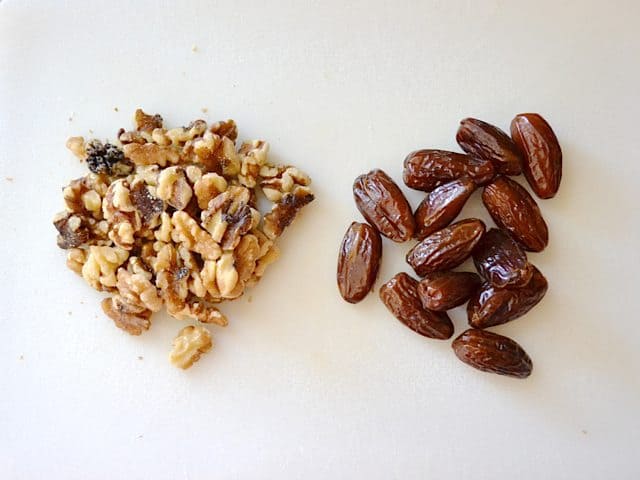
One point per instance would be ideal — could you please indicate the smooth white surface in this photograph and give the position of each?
(301, 384)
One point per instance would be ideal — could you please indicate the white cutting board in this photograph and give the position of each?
(301, 384)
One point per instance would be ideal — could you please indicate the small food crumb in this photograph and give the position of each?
(115, 109)
(91, 131)
(140, 357)
(194, 48)
(204, 110)
(584, 432)
(71, 116)
(140, 436)
(250, 299)
(9, 179)
(21, 357)
(69, 312)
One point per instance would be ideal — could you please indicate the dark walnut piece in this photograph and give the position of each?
(501, 260)
(383, 205)
(400, 296)
(441, 291)
(447, 248)
(542, 164)
(483, 140)
(107, 159)
(440, 207)
(493, 353)
(358, 261)
(515, 210)
(491, 306)
(428, 169)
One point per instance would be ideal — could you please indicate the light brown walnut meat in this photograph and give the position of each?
(137, 289)
(173, 187)
(84, 195)
(99, 269)
(130, 318)
(191, 342)
(208, 187)
(285, 211)
(145, 122)
(187, 231)
(280, 180)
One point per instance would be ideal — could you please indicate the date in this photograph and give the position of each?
(491, 306)
(493, 353)
(383, 205)
(446, 248)
(441, 206)
(501, 260)
(542, 164)
(428, 169)
(515, 210)
(484, 140)
(441, 291)
(400, 296)
(358, 261)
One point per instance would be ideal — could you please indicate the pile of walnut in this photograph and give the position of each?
(170, 217)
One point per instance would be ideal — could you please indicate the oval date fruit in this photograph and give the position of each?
(428, 169)
(513, 209)
(491, 306)
(493, 353)
(400, 296)
(384, 206)
(441, 291)
(447, 248)
(542, 164)
(501, 260)
(358, 261)
(441, 206)
(483, 140)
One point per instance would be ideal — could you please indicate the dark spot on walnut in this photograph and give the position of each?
(181, 273)
(148, 206)
(285, 211)
(239, 223)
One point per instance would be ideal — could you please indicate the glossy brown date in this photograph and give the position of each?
(483, 140)
(441, 291)
(400, 296)
(381, 202)
(441, 206)
(447, 248)
(493, 353)
(515, 210)
(501, 260)
(358, 261)
(542, 163)
(491, 306)
(428, 169)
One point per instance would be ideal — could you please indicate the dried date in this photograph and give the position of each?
(440, 207)
(491, 306)
(428, 169)
(515, 210)
(493, 353)
(400, 296)
(358, 261)
(483, 140)
(383, 205)
(447, 248)
(501, 260)
(441, 291)
(542, 164)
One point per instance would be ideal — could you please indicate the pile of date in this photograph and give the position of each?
(506, 285)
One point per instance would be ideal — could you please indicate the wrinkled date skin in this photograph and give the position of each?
(358, 261)
(441, 291)
(384, 206)
(542, 164)
(491, 306)
(447, 248)
(501, 260)
(483, 140)
(428, 169)
(400, 295)
(515, 210)
(440, 207)
(493, 353)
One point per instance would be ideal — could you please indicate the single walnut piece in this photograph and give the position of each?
(169, 217)
(191, 342)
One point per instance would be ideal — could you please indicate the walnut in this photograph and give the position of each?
(245, 257)
(146, 173)
(137, 289)
(75, 259)
(130, 318)
(284, 211)
(280, 180)
(187, 231)
(145, 122)
(207, 314)
(229, 216)
(217, 154)
(181, 135)
(226, 274)
(193, 173)
(225, 128)
(253, 157)
(150, 153)
(99, 270)
(77, 146)
(163, 233)
(84, 195)
(118, 209)
(148, 206)
(267, 259)
(191, 342)
(174, 188)
(73, 230)
(208, 187)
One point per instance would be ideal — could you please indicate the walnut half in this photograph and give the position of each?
(191, 342)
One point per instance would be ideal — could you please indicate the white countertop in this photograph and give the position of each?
(301, 384)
